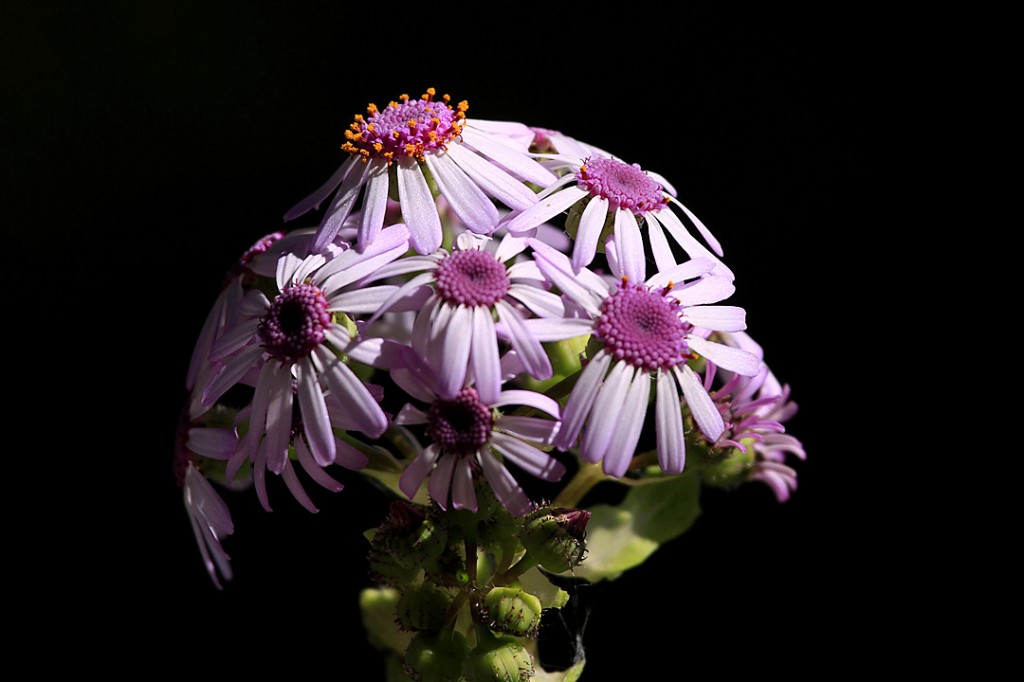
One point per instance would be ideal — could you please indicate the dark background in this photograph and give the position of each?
(149, 144)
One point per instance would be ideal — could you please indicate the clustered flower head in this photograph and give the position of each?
(482, 304)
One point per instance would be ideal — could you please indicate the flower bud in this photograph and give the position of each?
(554, 538)
(499, 659)
(436, 657)
(423, 608)
(513, 611)
(409, 540)
(730, 468)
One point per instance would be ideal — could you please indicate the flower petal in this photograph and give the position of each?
(379, 353)
(664, 259)
(544, 210)
(484, 356)
(690, 245)
(558, 329)
(582, 399)
(456, 338)
(605, 415)
(318, 475)
(314, 200)
(534, 357)
(279, 419)
(212, 443)
(528, 458)
(719, 318)
(315, 420)
(538, 301)
(513, 160)
(409, 414)
(298, 492)
(726, 357)
(704, 231)
(463, 495)
(230, 374)
(375, 202)
(631, 419)
(352, 395)
(440, 482)
(494, 181)
(529, 428)
(629, 246)
(234, 339)
(567, 283)
(669, 425)
(508, 247)
(678, 274)
(418, 208)
(505, 487)
(341, 205)
(703, 409)
(414, 474)
(467, 200)
(589, 232)
(390, 244)
(711, 289)
(533, 399)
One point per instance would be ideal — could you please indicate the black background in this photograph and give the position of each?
(149, 144)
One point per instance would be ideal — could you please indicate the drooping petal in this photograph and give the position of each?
(375, 202)
(494, 181)
(418, 469)
(505, 487)
(605, 416)
(719, 318)
(663, 256)
(703, 409)
(314, 200)
(230, 374)
(544, 210)
(629, 246)
(484, 356)
(533, 399)
(582, 399)
(279, 419)
(508, 157)
(463, 495)
(234, 339)
(528, 458)
(669, 425)
(534, 357)
(350, 392)
(660, 179)
(316, 421)
(341, 205)
(212, 326)
(212, 443)
(468, 201)
(726, 357)
(530, 428)
(704, 231)
(440, 482)
(259, 477)
(711, 289)
(295, 487)
(589, 232)
(311, 468)
(418, 208)
(631, 419)
(690, 245)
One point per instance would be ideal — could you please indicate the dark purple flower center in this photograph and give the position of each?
(295, 322)
(624, 185)
(460, 425)
(472, 278)
(643, 327)
(405, 128)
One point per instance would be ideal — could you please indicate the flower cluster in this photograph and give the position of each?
(482, 304)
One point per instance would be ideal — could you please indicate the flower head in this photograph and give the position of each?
(469, 161)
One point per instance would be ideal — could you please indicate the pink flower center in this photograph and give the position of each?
(624, 185)
(295, 322)
(472, 278)
(643, 327)
(261, 246)
(460, 425)
(405, 128)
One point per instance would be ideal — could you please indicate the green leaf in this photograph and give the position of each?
(378, 609)
(537, 584)
(623, 536)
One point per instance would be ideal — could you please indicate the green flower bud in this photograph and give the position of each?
(407, 541)
(499, 659)
(554, 538)
(436, 657)
(730, 468)
(513, 611)
(423, 608)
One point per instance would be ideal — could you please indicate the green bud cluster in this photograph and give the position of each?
(468, 584)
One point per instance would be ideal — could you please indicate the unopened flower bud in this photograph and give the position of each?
(409, 540)
(554, 538)
(423, 608)
(513, 611)
(730, 468)
(499, 659)
(436, 657)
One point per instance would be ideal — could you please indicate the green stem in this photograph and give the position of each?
(586, 478)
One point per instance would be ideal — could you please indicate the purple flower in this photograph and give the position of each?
(616, 197)
(646, 329)
(291, 349)
(469, 162)
(456, 331)
(471, 436)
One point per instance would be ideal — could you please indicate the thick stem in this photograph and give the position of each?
(586, 478)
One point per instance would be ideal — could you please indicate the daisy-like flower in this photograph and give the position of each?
(472, 436)
(294, 344)
(456, 331)
(469, 162)
(647, 331)
(617, 198)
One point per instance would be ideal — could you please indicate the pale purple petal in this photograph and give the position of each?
(361, 301)
(690, 245)
(585, 278)
(511, 365)
(230, 374)
(509, 247)
(779, 484)
(418, 208)
(337, 335)
(353, 396)
(375, 202)
(441, 480)
(544, 210)
(526, 272)
(402, 294)
(531, 398)
(515, 132)
(314, 200)
(510, 158)
(719, 318)
(530, 428)
(353, 264)
(540, 302)
(702, 407)
(630, 419)
(234, 339)
(607, 412)
(744, 341)
(428, 342)
(201, 495)
(349, 457)
(582, 399)
(528, 458)
(467, 200)
(711, 289)
(318, 475)
(726, 357)
(254, 303)
(259, 477)
(677, 274)
(564, 180)
(414, 474)
(629, 246)
(558, 329)
(704, 231)
(212, 325)
(379, 353)
(413, 384)
(569, 145)
(484, 356)
(279, 419)
(463, 495)
(410, 414)
(567, 283)
(669, 425)
(534, 357)
(588, 233)
(315, 419)
(493, 180)
(287, 266)
(660, 179)
(341, 205)
(212, 443)
(292, 481)
(505, 487)
(663, 256)
(456, 340)
(409, 264)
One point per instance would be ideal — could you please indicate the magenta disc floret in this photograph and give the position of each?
(461, 425)
(408, 127)
(295, 323)
(622, 184)
(643, 327)
(472, 278)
